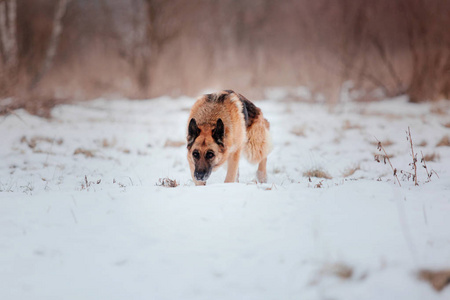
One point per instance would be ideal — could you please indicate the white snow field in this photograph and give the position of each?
(82, 215)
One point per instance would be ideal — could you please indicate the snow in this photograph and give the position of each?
(120, 235)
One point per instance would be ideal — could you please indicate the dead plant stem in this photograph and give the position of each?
(380, 147)
(413, 157)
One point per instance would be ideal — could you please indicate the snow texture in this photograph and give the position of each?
(83, 215)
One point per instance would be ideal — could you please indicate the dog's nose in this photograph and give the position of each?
(201, 175)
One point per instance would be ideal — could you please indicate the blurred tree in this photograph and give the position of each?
(163, 23)
(8, 45)
(141, 48)
(427, 26)
(57, 28)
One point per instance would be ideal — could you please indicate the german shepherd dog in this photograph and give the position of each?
(221, 127)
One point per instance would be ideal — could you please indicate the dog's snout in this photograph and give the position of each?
(201, 175)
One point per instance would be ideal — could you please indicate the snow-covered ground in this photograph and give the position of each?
(82, 215)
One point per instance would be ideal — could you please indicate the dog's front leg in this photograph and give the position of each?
(233, 166)
(261, 174)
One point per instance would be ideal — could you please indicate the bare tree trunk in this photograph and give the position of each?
(53, 42)
(8, 31)
(8, 46)
(159, 32)
(150, 52)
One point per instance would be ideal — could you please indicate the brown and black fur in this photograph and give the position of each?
(221, 127)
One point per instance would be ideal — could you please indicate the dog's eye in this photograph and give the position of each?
(209, 155)
(196, 155)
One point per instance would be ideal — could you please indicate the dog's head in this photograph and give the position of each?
(206, 147)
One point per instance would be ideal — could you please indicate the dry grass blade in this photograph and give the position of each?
(339, 270)
(422, 144)
(35, 104)
(87, 184)
(86, 153)
(438, 279)
(424, 164)
(7, 111)
(167, 182)
(108, 143)
(347, 125)
(385, 143)
(431, 157)
(32, 142)
(438, 111)
(299, 131)
(174, 144)
(414, 156)
(382, 157)
(445, 141)
(386, 158)
(350, 171)
(318, 173)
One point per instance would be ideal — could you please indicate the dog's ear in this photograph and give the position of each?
(193, 132)
(219, 132)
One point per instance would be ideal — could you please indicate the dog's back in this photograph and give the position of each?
(226, 106)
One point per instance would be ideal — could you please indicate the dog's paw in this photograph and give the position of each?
(261, 176)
